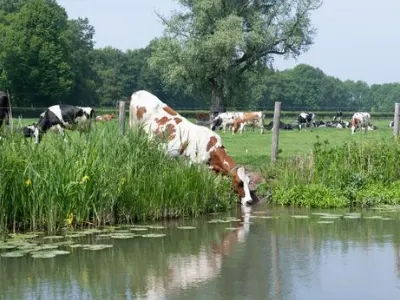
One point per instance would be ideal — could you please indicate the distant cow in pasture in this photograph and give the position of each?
(254, 119)
(106, 117)
(360, 120)
(180, 137)
(282, 125)
(306, 119)
(338, 116)
(4, 108)
(61, 116)
(225, 119)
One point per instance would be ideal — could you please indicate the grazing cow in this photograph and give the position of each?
(61, 116)
(306, 119)
(360, 120)
(186, 139)
(225, 119)
(249, 118)
(89, 111)
(4, 108)
(391, 124)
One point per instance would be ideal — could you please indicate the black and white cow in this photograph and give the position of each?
(61, 116)
(306, 119)
(338, 116)
(4, 108)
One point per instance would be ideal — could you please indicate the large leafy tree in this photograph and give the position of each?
(210, 45)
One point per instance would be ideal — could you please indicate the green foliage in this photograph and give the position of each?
(213, 44)
(356, 174)
(101, 178)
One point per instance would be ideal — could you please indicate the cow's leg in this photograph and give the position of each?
(241, 128)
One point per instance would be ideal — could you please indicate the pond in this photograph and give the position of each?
(270, 253)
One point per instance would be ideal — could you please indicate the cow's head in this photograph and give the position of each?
(216, 123)
(223, 163)
(353, 125)
(241, 183)
(32, 131)
(236, 125)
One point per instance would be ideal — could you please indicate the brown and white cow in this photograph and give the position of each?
(360, 120)
(254, 119)
(186, 139)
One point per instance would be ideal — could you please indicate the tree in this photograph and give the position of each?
(212, 44)
(34, 55)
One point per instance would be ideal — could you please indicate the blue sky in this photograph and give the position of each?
(357, 39)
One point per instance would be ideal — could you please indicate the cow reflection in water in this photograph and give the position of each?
(186, 271)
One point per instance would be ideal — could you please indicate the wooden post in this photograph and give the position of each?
(396, 120)
(122, 115)
(275, 132)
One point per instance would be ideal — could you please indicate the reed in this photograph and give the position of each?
(98, 179)
(352, 174)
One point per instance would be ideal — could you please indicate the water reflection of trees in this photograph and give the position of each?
(264, 260)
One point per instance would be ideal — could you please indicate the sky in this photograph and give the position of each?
(356, 39)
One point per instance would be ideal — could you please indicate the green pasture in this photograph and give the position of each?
(253, 149)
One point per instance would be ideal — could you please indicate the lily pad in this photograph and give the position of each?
(7, 246)
(138, 229)
(320, 214)
(373, 217)
(156, 227)
(13, 254)
(79, 245)
(105, 235)
(43, 254)
(123, 236)
(153, 235)
(186, 227)
(352, 217)
(53, 237)
(325, 222)
(386, 219)
(330, 217)
(97, 247)
(23, 236)
(300, 216)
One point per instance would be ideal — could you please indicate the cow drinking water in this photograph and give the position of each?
(186, 139)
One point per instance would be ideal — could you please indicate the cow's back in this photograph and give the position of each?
(183, 138)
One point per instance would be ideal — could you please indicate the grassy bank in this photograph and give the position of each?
(97, 179)
(362, 174)
(325, 167)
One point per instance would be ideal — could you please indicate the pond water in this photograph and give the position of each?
(268, 254)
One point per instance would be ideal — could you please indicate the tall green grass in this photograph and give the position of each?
(100, 178)
(352, 174)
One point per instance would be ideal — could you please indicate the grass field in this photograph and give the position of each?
(254, 149)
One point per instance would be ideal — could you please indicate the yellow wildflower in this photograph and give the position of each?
(28, 182)
(85, 179)
(69, 219)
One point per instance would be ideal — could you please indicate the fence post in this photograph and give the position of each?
(275, 132)
(396, 120)
(122, 116)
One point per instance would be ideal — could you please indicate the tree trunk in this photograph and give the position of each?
(217, 105)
